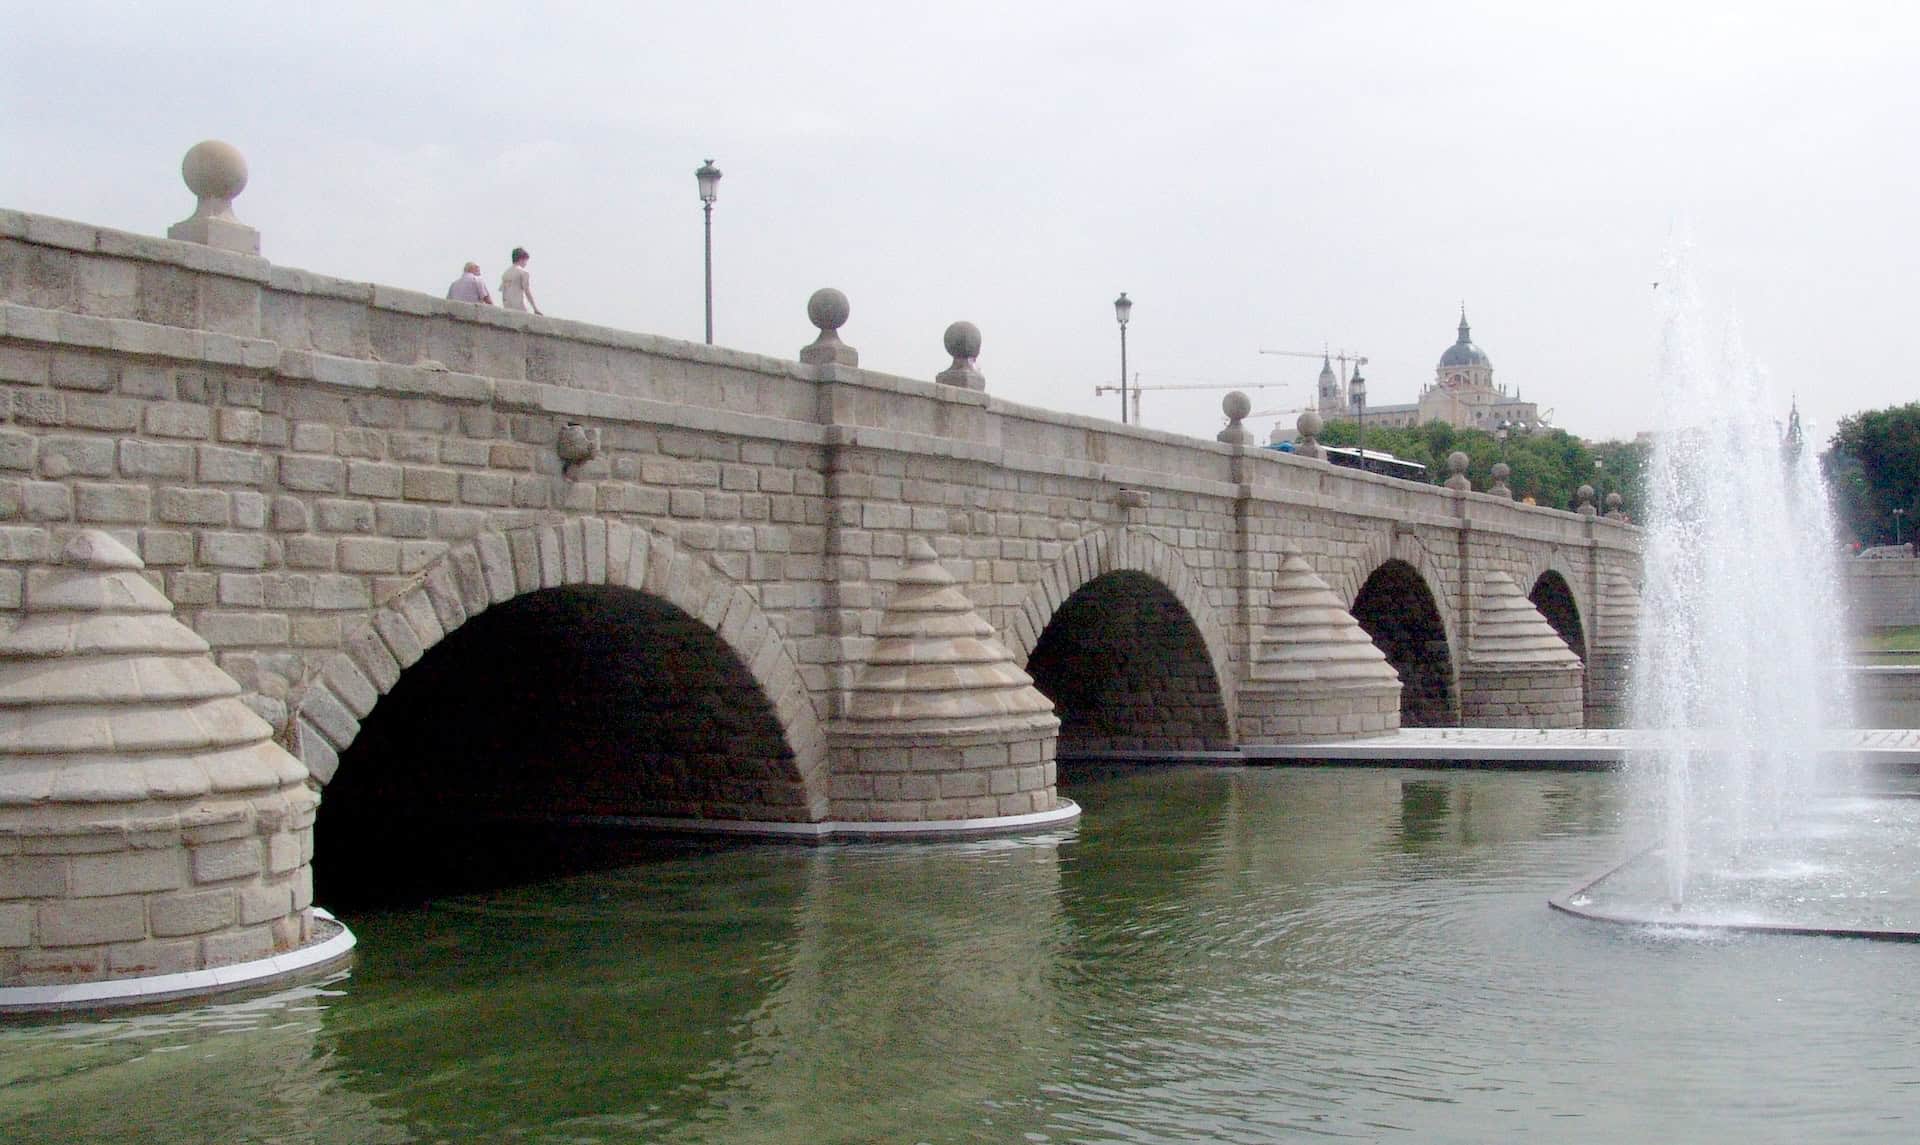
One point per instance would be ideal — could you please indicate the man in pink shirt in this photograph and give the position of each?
(470, 287)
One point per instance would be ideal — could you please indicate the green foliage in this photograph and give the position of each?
(1873, 467)
(1548, 465)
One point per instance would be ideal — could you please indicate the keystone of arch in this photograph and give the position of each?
(496, 567)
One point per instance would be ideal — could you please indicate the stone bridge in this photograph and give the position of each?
(487, 562)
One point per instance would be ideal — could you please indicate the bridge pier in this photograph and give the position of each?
(1519, 672)
(1314, 674)
(942, 729)
(154, 841)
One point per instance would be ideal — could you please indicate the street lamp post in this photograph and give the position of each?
(1357, 394)
(709, 177)
(1123, 310)
(1897, 514)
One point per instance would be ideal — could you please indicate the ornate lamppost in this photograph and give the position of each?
(1123, 310)
(709, 177)
(1897, 515)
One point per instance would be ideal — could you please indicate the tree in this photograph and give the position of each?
(1548, 465)
(1873, 466)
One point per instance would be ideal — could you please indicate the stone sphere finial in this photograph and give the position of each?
(215, 172)
(1457, 463)
(1501, 471)
(1236, 406)
(962, 340)
(1584, 495)
(827, 309)
(1614, 500)
(1307, 428)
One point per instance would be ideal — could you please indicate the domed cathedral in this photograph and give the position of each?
(1463, 394)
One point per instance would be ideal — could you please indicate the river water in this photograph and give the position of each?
(1239, 955)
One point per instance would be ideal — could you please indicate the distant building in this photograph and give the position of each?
(1462, 394)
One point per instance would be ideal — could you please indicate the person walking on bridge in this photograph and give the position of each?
(470, 287)
(516, 285)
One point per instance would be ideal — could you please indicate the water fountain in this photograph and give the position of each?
(1750, 822)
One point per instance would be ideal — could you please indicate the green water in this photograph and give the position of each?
(1210, 955)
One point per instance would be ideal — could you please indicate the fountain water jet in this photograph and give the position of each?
(1735, 675)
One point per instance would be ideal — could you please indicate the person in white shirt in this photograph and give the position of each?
(470, 287)
(516, 285)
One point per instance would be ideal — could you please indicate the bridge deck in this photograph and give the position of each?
(1891, 748)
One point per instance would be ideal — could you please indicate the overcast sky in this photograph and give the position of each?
(1259, 175)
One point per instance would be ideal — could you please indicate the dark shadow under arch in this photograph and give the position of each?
(1552, 596)
(584, 700)
(1127, 670)
(1398, 613)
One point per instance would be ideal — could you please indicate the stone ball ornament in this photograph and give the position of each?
(828, 309)
(962, 340)
(1309, 424)
(1236, 405)
(214, 169)
(1458, 461)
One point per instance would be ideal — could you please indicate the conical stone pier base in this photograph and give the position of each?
(1519, 672)
(943, 728)
(154, 840)
(1315, 674)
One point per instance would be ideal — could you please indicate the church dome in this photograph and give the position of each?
(1464, 352)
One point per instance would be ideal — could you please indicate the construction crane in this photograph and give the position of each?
(1277, 411)
(1136, 387)
(1343, 357)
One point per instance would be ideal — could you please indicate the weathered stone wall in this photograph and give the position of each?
(124, 890)
(1535, 699)
(1882, 593)
(322, 473)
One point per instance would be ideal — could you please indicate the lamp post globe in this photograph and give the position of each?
(1122, 311)
(708, 177)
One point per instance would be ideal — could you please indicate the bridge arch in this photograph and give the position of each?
(1100, 582)
(585, 567)
(1552, 593)
(1398, 610)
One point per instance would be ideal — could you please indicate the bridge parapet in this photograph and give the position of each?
(290, 454)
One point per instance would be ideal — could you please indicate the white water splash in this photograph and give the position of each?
(1742, 629)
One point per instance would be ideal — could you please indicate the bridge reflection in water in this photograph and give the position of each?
(1225, 954)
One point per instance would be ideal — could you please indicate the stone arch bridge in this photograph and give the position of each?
(690, 583)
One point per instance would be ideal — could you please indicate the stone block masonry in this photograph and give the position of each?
(148, 826)
(328, 478)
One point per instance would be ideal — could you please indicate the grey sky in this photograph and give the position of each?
(1254, 175)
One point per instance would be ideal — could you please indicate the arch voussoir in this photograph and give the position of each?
(496, 567)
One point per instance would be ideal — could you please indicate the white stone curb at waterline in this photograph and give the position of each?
(1065, 811)
(161, 987)
(1877, 747)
